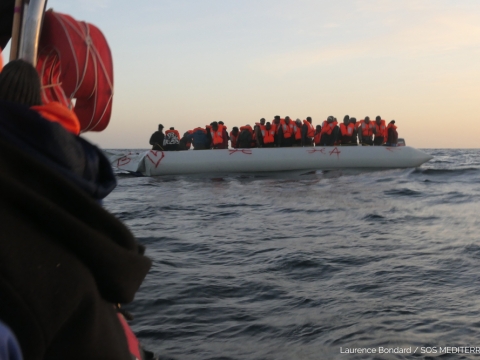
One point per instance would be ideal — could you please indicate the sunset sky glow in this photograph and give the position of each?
(188, 63)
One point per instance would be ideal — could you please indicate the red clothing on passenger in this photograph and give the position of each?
(268, 136)
(327, 127)
(288, 129)
(311, 129)
(366, 129)
(381, 130)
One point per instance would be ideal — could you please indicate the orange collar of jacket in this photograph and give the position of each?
(56, 112)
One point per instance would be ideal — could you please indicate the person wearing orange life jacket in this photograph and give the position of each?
(216, 132)
(308, 132)
(347, 129)
(286, 132)
(380, 131)
(392, 134)
(225, 135)
(257, 130)
(245, 138)
(330, 132)
(297, 131)
(366, 130)
(172, 139)
(317, 136)
(234, 136)
(268, 135)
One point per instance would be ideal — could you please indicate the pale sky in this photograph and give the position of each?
(188, 63)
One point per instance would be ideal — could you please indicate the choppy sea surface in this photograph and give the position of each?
(310, 267)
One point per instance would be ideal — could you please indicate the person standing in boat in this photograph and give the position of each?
(268, 136)
(380, 131)
(308, 132)
(392, 134)
(347, 129)
(224, 135)
(199, 139)
(286, 132)
(258, 131)
(216, 131)
(366, 130)
(208, 128)
(245, 138)
(355, 131)
(276, 126)
(234, 136)
(318, 135)
(171, 140)
(330, 132)
(184, 143)
(297, 131)
(156, 140)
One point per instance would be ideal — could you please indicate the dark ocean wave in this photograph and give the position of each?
(475, 171)
(403, 192)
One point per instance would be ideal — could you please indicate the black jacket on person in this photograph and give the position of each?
(157, 140)
(64, 260)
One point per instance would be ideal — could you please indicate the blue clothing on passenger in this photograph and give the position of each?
(199, 139)
(9, 348)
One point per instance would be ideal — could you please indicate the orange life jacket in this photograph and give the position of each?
(274, 127)
(233, 139)
(247, 127)
(367, 129)
(288, 129)
(217, 136)
(390, 126)
(327, 128)
(298, 131)
(347, 130)
(268, 136)
(317, 137)
(262, 127)
(311, 129)
(57, 112)
(381, 130)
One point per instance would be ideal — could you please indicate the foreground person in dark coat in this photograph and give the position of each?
(64, 260)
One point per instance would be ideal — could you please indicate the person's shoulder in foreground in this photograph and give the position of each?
(65, 261)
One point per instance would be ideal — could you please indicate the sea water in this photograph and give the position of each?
(336, 264)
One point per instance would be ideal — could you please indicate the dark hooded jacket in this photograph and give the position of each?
(64, 260)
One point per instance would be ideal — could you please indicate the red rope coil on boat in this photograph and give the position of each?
(76, 68)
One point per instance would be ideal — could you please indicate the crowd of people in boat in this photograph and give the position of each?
(280, 132)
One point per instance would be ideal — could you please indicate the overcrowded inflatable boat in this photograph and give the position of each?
(258, 160)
